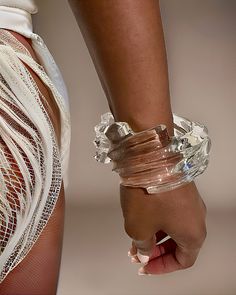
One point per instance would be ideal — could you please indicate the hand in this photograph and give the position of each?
(179, 213)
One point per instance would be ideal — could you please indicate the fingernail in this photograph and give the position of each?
(142, 258)
(129, 254)
(134, 260)
(142, 272)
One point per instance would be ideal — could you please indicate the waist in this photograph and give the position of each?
(17, 20)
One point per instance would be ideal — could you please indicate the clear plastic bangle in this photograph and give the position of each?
(152, 159)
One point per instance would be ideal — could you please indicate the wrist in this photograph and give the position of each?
(141, 121)
(150, 158)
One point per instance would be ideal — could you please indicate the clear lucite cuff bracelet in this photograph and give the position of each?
(152, 159)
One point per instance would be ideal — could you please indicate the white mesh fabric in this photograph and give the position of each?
(30, 159)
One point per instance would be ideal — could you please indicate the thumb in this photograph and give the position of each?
(144, 248)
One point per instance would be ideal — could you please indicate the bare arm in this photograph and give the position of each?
(125, 40)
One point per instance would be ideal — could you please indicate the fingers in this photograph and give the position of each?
(173, 255)
(163, 264)
(137, 252)
(141, 250)
(160, 237)
(163, 248)
(169, 258)
(139, 221)
(145, 248)
(180, 213)
(166, 256)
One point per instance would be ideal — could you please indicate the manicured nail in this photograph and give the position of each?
(129, 254)
(142, 272)
(142, 258)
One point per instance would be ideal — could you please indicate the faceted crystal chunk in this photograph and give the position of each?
(146, 159)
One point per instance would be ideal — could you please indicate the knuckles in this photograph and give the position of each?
(137, 231)
(197, 236)
(132, 231)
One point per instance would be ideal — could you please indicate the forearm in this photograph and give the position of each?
(125, 41)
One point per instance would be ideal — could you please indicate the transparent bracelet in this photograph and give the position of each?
(151, 159)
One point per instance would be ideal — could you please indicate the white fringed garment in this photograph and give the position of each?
(32, 165)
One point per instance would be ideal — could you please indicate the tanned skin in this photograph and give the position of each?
(126, 43)
(39, 271)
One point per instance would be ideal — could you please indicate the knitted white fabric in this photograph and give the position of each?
(30, 158)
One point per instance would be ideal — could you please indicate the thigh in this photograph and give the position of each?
(39, 270)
